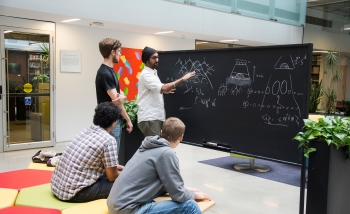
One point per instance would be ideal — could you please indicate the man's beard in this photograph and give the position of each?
(155, 65)
(115, 60)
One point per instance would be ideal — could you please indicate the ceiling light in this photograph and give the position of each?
(324, 51)
(229, 40)
(99, 24)
(201, 42)
(70, 20)
(347, 27)
(8, 31)
(164, 32)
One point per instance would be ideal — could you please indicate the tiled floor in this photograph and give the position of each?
(233, 192)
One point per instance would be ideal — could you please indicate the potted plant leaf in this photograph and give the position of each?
(130, 142)
(330, 91)
(131, 109)
(327, 144)
(315, 96)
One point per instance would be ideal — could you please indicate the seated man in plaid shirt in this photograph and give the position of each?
(89, 165)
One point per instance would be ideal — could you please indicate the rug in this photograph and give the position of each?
(280, 172)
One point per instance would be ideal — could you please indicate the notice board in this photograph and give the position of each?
(251, 99)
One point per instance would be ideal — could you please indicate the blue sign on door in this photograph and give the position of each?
(27, 101)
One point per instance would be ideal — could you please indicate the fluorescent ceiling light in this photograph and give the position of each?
(71, 20)
(311, 0)
(229, 40)
(8, 31)
(347, 27)
(164, 32)
(323, 52)
(201, 42)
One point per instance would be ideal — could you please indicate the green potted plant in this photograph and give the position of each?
(130, 142)
(331, 130)
(327, 144)
(335, 77)
(131, 109)
(315, 96)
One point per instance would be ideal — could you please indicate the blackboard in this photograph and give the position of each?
(251, 99)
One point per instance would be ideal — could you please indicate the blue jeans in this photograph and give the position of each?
(171, 207)
(117, 132)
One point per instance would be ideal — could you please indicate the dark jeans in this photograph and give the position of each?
(150, 128)
(98, 190)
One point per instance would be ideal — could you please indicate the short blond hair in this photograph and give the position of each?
(107, 45)
(172, 129)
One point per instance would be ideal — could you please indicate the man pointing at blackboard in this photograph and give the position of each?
(151, 113)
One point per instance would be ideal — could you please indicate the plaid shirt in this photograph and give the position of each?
(83, 162)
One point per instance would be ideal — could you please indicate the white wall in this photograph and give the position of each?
(160, 14)
(75, 92)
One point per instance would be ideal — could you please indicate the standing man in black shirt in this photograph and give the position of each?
(107, 84)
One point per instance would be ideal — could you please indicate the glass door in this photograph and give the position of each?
(26, 96)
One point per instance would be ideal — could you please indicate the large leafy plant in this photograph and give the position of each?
(131, 109)
(331, 130)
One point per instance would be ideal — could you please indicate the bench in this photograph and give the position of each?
(23, 197)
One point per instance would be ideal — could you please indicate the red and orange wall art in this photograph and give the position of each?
(128, 70)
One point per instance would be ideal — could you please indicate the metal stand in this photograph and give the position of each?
(251, 167)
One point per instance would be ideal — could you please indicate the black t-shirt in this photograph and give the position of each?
(105, 79)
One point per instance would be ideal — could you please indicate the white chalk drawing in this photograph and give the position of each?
(270, 121)
(276, 101)
(222, 90)
(207, 102)
(199, 91)
(299, 60)
(253, 73)
(187, 89)
(285, 63)
(202, 69)
(289, 118)
(236, 90)
(240, 74)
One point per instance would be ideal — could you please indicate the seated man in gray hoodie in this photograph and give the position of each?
(153, 171)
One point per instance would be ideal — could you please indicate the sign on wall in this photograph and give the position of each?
(70, 61)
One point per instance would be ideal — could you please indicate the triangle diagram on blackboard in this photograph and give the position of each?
(285, 63)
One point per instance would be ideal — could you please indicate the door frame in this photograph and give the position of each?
(4, 146)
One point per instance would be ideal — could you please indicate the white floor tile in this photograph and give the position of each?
(233, 192)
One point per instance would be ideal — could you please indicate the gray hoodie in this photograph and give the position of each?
(153, 167)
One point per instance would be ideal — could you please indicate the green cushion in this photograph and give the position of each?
(41, 196)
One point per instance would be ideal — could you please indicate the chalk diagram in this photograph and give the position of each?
(239, 75)
(285, 63)
(193, 91)
(239, 78)
(280, 89)
(202, 69)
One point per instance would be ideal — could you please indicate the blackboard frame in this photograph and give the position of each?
(296, 157)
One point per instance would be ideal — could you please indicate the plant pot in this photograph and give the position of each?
(129, 144)
(328, 180)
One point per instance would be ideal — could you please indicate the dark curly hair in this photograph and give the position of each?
(106, 114)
